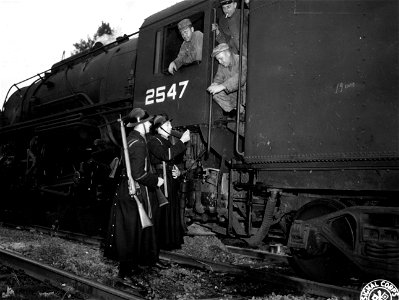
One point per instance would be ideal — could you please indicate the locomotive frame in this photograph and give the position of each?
(315, 164)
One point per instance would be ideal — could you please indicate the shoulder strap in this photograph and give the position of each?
(158, 139)
(132, 142)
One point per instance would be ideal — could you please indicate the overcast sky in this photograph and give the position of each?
(35, 33)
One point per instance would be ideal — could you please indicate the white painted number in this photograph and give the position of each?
(184, 84)
(150, 95)
(172, 92)
(159, 93)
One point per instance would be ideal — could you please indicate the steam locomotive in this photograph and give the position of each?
(314, 164)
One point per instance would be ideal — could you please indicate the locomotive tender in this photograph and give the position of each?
(315, 164)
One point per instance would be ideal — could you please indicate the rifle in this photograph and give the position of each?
(162, 200)
(161, 197)
(145, 220)
(165, 185)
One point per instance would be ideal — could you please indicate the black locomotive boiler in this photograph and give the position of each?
(314, 165)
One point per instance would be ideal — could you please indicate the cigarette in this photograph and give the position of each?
(226, 16)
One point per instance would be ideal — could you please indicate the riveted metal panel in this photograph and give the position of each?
(323, 81)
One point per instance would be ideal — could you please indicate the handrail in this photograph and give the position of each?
(239, 96)
(210, 95)
(16, 85)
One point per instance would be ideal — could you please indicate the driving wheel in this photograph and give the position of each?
(325, 263)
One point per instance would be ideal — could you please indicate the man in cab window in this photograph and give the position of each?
(190, 49)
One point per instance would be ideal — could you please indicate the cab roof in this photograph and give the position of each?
(176, 8)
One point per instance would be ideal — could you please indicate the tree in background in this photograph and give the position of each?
(83, 45)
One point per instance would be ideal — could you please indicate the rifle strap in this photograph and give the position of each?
(146, 189)
(164, 174)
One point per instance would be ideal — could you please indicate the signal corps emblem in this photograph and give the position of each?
(379, 289)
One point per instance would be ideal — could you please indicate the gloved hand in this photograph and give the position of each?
(175, 172)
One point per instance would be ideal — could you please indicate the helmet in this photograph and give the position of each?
(159, 120)
(137, 116)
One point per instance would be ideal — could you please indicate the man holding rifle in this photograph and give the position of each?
(134, 219)
(163, 156)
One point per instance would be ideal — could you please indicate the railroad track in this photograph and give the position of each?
(283, 282)
(63, 280)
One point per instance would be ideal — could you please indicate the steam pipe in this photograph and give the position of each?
(44, 190)
(267, 219)
(58, 122)
(64, 126)
(29, 124)
(65, 114)
(83, 95)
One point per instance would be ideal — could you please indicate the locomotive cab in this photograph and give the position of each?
(182, 95)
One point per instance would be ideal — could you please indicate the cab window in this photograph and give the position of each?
(168, 41)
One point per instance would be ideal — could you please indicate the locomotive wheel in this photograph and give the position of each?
(326, 264)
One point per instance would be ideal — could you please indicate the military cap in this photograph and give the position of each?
(223, 2)
(137, 116)
(220, 48)
(159, 120)
(184, 24)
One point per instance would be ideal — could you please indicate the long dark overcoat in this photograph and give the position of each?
(171, 230)
(126, 240)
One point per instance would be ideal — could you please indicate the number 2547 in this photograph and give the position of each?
(159, 94)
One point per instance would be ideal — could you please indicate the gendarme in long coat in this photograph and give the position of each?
(126, 241)
(171, 229)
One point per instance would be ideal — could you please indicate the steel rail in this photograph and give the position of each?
(258, 253)
(283, 282)
(277, 280)
(58, 278)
